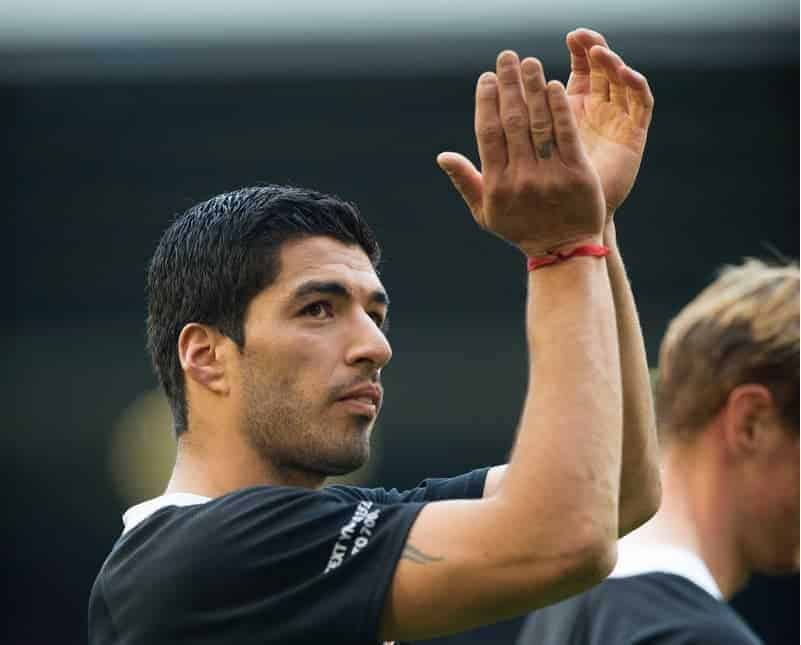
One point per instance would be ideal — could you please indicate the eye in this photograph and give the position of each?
(381, 321)
(319, 310)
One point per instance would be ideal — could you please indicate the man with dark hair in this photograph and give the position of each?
(265, 324)
(727, 402)
(223, 252)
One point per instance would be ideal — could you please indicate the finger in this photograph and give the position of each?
(640, 98)
(587, 38)
(466, 179)
(489, 132)
(579, 42)
(539, 114)
(514, 113)
(599, 84)
(564, 124)
(579, 81)
(611, 64)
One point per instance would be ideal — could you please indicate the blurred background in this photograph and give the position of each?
(117, 116)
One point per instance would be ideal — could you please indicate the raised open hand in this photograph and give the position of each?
(612, 105)
(537, 188)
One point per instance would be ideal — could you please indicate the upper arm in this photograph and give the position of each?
(460, 568)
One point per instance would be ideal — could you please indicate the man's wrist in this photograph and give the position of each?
(533, 251)
(610, 234)
(584, 250)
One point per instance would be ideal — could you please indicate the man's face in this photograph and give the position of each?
(311, 364)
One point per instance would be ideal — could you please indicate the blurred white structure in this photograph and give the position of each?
(209, 37)
(42, 22)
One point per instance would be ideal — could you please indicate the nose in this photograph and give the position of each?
(369, 344)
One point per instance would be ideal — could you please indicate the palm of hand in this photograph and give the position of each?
(614, 143)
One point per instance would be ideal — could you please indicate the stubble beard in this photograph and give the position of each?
(293, 435)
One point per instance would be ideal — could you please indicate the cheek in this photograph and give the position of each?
(780, 483)
(306, 361)
(777, 501)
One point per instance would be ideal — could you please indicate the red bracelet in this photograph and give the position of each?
(594, 250)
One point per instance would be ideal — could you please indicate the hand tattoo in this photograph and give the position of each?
(544, 149)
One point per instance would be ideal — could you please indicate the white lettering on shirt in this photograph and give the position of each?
(364, 522)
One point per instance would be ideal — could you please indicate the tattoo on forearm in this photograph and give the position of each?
(544, 150)
(411, 552)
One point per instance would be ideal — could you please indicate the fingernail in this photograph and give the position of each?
(530, 67)
(507, 58)
(487, 84)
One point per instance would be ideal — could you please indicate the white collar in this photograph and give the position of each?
(634, 559)
(142, 511)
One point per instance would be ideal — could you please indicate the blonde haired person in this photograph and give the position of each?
(728, 410)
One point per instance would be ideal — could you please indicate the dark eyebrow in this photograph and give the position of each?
(335, 289)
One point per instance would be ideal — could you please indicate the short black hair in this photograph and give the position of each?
(219, 254)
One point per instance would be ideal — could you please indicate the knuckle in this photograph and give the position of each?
(565, 127)
(566, 132)
(534, 86)
(541, 129)
(559, 111)
(568, 139)
(515, 121)
(550, 188)
(489, 131)
(508, 78)
(529, 185)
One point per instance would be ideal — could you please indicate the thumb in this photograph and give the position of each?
(466, 179)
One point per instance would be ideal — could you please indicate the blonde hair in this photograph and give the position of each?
(743, 328)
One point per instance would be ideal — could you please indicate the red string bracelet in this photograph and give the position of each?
(594, 250)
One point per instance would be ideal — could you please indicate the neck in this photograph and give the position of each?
(213, 462)
(697, 514)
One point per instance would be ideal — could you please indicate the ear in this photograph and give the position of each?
(202, 355)
(745, 417)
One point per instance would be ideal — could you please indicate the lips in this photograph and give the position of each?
(367, 394)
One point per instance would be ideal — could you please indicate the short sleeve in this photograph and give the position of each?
(467, 486)
(284, 565)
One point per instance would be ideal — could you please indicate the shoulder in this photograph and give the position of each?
(647, 608)
(253, 525)
(258, 550)
(687, 614)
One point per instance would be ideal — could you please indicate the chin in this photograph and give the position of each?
(347, 462)
(339, 468)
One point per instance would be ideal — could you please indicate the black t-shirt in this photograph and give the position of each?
(646, 609)
(267, 564)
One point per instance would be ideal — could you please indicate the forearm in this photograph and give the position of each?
(565, 468)
(640, 488)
